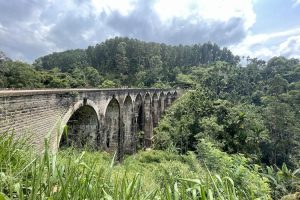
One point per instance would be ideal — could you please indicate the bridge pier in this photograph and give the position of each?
(148, 125)
(112, 126)
(155, 110)
(169, 99)
(128, 119)
(162, 104)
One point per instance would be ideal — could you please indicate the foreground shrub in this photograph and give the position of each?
(247, 179)
(71, 174)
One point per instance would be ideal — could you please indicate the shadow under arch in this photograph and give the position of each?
(112, 134)
(161, 104)
(155, 109)
(168, 100)
(174, 96)
(138, 122)
(148, 123)
(128, 121)
(80, 126)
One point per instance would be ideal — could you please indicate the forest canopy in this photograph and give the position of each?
(114, 63)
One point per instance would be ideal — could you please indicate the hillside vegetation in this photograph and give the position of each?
(114, 63)
(234, 134)
(251, 111)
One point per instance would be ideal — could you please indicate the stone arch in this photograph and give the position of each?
(155, 109)
(148, 125)
(80, 126)
(168, 100)
(111, 127)
(138, 122)
(161, 104)
(174, 96)
(128, 122)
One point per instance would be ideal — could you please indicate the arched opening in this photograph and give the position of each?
(161, 104)
(112, 138)
(174, 96)
(168, 100)
(81, 130)
(128, 125)
(148, 125)
(139, 123)
(155, 109)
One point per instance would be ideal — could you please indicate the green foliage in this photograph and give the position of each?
(108, 84)
(235, 128)
(92, 76)
(253, 110)
(14, 153)
(66, 61)
(272, 88)
(277, 85)
(284, 128)
(22, 75)
(19, 75)
(71, 174)
(283, 181)
(136, 63)
(185, 80)
(161, 85)
(56, 79)
(86, 77)
(245, 175)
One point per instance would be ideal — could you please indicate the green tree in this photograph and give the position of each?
(235, 128)
(80, 77)
(19, 75)
(277, 85)
(122, 62)
(54, 78)
(92, 76)
(108, 84)
(283, 125)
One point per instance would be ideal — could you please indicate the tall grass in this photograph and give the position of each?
(71, 174)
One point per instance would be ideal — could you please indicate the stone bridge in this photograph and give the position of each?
(116, 120)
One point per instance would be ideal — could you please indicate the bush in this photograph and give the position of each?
(246, 176)
(71, 174)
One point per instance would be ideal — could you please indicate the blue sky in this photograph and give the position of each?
(256, 28)
(276, 30)
(276, 15)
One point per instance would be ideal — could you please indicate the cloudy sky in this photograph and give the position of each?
(258, 28)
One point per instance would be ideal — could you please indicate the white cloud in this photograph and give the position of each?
(29, 29)
(296, 2)
(216, 10)
(291, 47)
(265, 46)
(124, 7)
